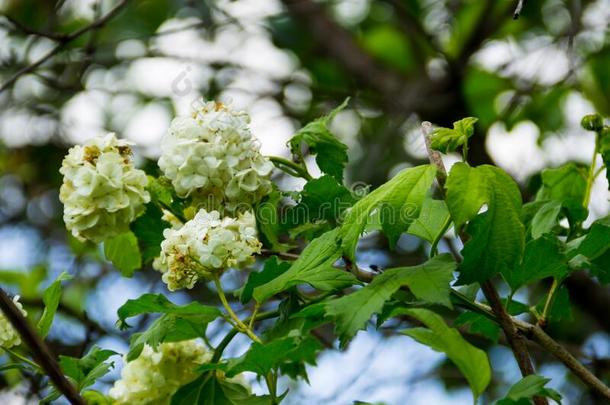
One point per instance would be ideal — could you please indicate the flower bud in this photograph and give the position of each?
(592, 122)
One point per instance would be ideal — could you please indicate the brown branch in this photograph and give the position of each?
(56, 36)
(62, 44)
(40, 351)
(516, 340)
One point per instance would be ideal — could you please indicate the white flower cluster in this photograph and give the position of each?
(205, 246)
(8, 335)
(213, 156)
(157, 374)
(102, 191)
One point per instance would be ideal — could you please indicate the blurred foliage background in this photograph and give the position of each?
(72, 69)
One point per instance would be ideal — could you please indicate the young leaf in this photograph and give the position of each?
(50, 298)
(480, 324)
(429, 282)
(331, 154)
(323, 198)
(124, 253)
(273, 268)
(150, 303)
(170, 327)
(314, 266)
(432, 218)
(209, 389)
(471, 361)
(545, 219)
(268, 221)
(448, 140)
(262, 358)
(566, 184)
(527, 388)
(542, 258)
(399, 201)
(87, 370)
(497, 235)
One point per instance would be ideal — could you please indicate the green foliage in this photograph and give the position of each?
(158, 303)
(471, 361)
(497, 235)
(566, 184)
(50, 299)
(542, 258)
(429, 282)
(209, 389)
(399, 201)
(177, 322)
(331, 154)
(273, 269)
(431, 221)
(527, 388)
(448, 140)
(314, 267)
(262, 358)
(124, 253)
(148, 229)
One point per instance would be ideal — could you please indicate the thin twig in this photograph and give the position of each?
(66, 40)
(40, 351)
(56, 36)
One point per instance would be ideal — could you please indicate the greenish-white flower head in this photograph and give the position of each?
(157, 373)
(102, 191)
(8, 335)
(213, 157)
(205, 246)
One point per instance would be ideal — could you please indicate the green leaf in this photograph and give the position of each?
(448, 140)
(148, 229)
(431, 221)
(273, 268)
(542, 258)
(87, 370)
(471, 361)
(268, 221)
(323, 199)
(124, 253)
(399, 201)
(545, 219)
(566, 184)
(331, 154)
(50, 298)
(208, 389)
(497, 235)
(479, 324)
(314, 267)
(158, 303)
(429, 282)
(529, 387)
(262, 358)
(170, 327)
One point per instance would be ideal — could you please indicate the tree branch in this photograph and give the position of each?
(62, 44)
(516, 341)
(40, 351)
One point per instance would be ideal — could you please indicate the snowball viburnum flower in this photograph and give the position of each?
(213, 157)
(102, 191)
(205, 246)
(8, 335)
(157, 374)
